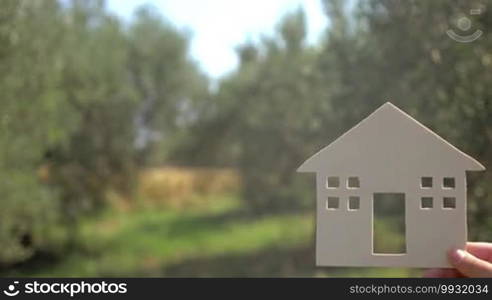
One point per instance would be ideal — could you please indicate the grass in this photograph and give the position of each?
(215, 239)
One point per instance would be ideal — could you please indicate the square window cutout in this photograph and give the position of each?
(448, 183)
(354, 203)
(426, 182)
(426, 202)
(353, 182)
(449, 202)
(333, 182)
(332, 203)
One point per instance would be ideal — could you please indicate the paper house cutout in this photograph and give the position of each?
(389, 152)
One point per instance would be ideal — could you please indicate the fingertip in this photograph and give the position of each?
(469, 265)
(480, 250)
(456, 256)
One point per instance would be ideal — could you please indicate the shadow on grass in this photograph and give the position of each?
(187, 225)
(272, 262)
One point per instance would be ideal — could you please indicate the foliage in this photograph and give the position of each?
(261, 116)
(168, 83)
(30, 113)
(70, 105)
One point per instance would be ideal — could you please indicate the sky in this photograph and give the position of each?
(218, 26)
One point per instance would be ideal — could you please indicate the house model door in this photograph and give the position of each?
(389, 224)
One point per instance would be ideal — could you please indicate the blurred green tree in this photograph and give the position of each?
(167, 82)
(31, 112)
(264, 116)
(76, 85)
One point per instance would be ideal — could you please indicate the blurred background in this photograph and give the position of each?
(162, 139)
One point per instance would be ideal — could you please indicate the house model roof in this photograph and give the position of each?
(389, 138)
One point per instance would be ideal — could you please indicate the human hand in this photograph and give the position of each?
(476, 261)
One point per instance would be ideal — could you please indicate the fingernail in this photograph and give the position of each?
(457, 255)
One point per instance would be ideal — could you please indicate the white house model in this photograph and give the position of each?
(390, 154)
